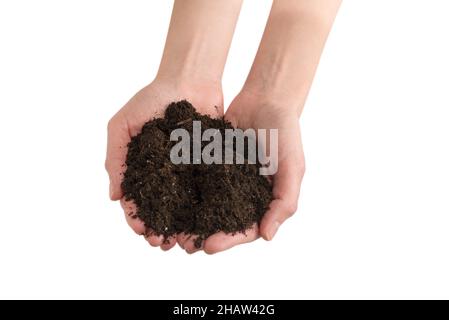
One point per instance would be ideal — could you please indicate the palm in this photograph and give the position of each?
(148, 103)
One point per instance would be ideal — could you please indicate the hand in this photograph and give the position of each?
(273, 97)
(259, 112)
(148, 103)
(191, 68)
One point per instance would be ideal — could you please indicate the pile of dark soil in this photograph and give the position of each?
(197, 199)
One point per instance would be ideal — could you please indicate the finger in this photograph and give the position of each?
(182, 238)
(153, 239)
(222, 241)
(168, 244)
(130, 214)
(286, 186)
(190, 246)
(118, 139)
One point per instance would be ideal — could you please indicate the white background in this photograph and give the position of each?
(373, 219)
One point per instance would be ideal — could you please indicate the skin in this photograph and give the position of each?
(273, 95)
(191, 68)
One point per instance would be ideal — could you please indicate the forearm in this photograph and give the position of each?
(198, 40)
(290, 50)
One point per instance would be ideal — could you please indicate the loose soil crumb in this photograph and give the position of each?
(196, 199)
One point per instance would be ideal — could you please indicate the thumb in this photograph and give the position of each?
(286, 186)
(118, 139)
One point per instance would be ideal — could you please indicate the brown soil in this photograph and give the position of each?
(197, 199)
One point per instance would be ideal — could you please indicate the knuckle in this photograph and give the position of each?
(115, 122)
(111, 124)
(106, 165)
(291, 208)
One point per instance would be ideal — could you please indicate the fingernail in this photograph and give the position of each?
(272, 230)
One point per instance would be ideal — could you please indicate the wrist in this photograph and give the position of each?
(261, 101)
(191, 62)
(188, 73)
(206, 96)
(198, 41)
(286, 100)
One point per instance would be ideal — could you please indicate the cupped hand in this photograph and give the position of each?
(148, 103)
(259, 112)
